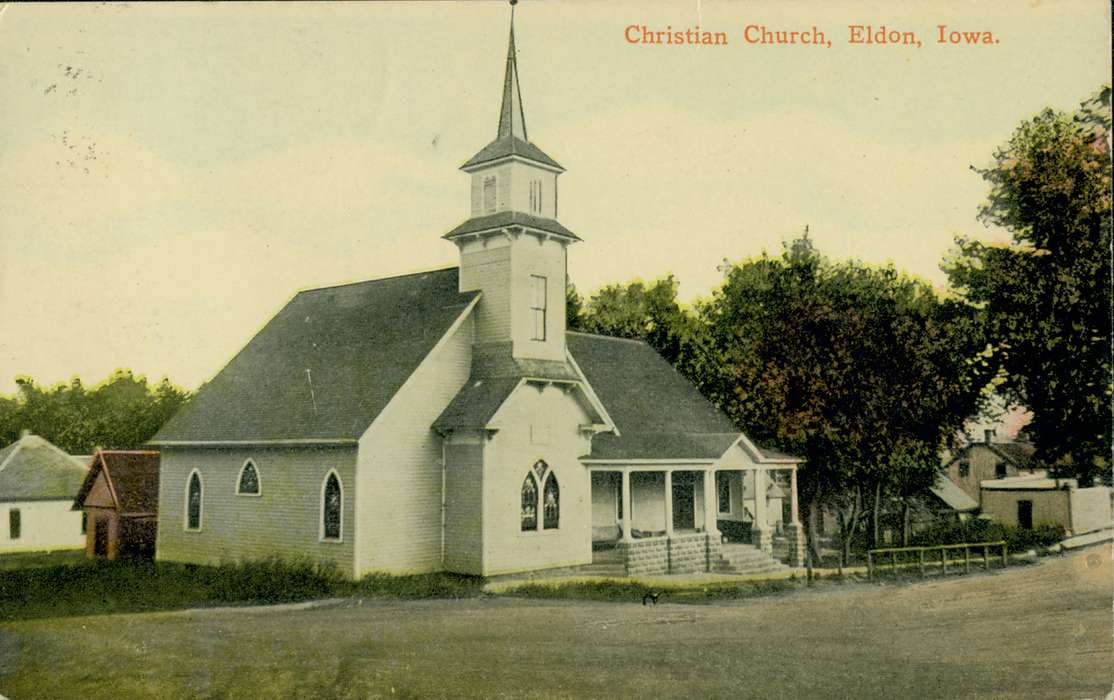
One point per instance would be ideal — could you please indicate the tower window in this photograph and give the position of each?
(489, 195)
(538, 305)
(536, 196)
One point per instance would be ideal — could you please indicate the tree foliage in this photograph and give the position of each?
(1046, 297)
(122, 412)
(863, 371)
(649, 312)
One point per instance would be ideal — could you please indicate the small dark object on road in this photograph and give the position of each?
(651, 595)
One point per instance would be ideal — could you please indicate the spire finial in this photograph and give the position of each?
(512, 122)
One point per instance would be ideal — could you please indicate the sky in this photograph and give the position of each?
(171, 175)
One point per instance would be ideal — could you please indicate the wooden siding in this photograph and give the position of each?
(284, 520)
(983, 467)
(532, 256)
(489, 270)
(464, 504)
(99, 494)
(44, 525)
(509, 456)
(1049, 506)
(400, 465)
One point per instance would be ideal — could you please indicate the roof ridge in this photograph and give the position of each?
(129, 452)
(377, 279)
(636, 341)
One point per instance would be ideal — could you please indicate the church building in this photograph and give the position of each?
(448, 421)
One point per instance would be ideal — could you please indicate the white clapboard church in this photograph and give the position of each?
(448, 421)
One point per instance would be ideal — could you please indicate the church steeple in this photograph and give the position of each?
(512, 121)
(512, 248)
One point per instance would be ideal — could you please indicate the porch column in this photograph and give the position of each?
(761, 528)
(794, 517)
(628, 516)
(668, 502)
(711, 505)
(794, 532)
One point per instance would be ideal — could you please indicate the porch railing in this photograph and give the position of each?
(878, 559)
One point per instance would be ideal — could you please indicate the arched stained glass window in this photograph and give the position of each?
(331, 507)
(193, 502)
(249, 480)
(529, 513)
(551, 503)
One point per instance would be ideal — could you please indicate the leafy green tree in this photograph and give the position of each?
(574, 308)
(649, 312)
(122, 412)
(862, 371)
(1046, 297)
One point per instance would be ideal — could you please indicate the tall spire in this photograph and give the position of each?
(512, 122)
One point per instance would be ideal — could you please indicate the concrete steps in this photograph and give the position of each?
(746, 560)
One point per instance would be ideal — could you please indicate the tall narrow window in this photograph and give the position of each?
(528, 514)
(15, 524)
(723, 491)
(489, 195)
(551, 503)
(331, 507)
(193, 502)
(248, 484)
(538, 305)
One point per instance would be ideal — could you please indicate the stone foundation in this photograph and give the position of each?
(645, 557)
(762, 539)
(688, 553)
(681, 554)
(796, 541)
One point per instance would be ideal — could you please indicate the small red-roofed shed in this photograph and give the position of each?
(120, 496)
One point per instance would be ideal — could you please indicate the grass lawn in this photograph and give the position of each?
(28, 560)
(1036, 631)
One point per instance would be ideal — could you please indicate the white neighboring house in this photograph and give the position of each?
(38, 482)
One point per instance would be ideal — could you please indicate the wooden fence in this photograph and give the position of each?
(876, 559)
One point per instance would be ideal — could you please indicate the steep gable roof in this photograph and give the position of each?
(326, 365)
(659, 413)
(32, 469)
(132, 477)
(495, 374)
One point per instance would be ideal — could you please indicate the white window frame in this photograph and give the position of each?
(258, 479)
(535, 308)
(200, 503)
(321, 515)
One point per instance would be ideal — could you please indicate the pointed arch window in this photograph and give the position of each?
(248, 483)
(529, 512)
(193, 501)
(551, 503)
(332, 507)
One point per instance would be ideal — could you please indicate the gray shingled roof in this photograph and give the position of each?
(510, 218)
(360, 342)
(1019, 453)
(659, 413)
(510, 146)
(495, 374)
(953, 496)
(32, 469)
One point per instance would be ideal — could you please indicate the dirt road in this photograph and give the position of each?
(1041, 631)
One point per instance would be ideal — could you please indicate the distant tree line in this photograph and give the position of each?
(122, 412)
(869, 374)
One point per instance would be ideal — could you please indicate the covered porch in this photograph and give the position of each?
(691, 517)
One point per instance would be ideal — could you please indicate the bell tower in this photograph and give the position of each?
(512, 247)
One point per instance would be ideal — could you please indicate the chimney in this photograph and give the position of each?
(988, 435)
(24, 433)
